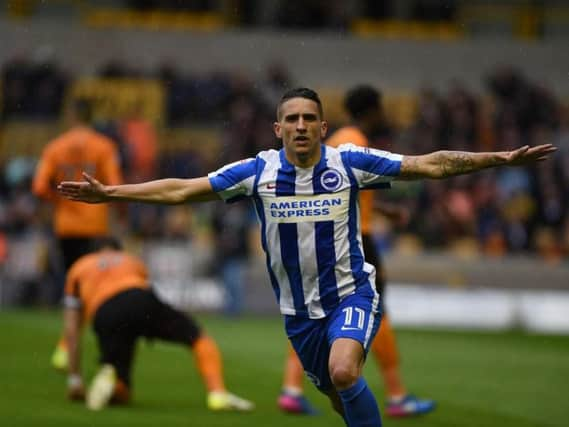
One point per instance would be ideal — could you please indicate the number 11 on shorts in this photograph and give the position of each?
(351, 322)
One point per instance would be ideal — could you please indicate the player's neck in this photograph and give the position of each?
(363, 126)
(304, 160)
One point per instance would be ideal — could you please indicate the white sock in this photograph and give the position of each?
(292, 391)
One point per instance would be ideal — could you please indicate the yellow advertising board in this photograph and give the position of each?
(115, 99)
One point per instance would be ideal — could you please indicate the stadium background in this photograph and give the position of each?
(487, 252)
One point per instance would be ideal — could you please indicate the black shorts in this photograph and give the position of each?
(134, 313)
(374, 258)
(73, 248)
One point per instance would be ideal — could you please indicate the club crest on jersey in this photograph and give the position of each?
(331, 180)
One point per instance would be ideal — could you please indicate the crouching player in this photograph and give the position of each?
(109, 288)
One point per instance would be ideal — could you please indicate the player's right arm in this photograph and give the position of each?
(162, 191)
(72, 332)
(72, 315)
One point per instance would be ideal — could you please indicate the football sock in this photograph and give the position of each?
(62, 343)
(293, 373)
(292, 391)
(121, 394)
(360, 406)
(208, 360)
(384, 350)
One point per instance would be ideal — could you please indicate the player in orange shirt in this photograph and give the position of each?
(66, 157)
(76, 225)
(109, 288)
(363, 104)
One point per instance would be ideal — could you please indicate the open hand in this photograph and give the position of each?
(526, 154)
(89, 191)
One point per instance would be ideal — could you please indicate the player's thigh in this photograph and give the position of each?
(357, 318)
(119, 352)
(308, 338)
(169, 324)
(346, 357)
(116, 332)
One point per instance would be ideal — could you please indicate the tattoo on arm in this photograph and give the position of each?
(443, 164)
(452, 163)
(455, 163)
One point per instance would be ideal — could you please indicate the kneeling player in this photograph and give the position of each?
(110, 289)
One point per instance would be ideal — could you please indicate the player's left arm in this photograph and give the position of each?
(72, 326)
(443, 164)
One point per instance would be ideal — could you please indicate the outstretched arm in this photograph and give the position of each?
(443, 164)
(164, 191)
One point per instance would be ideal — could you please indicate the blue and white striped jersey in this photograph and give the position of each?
(310, 220)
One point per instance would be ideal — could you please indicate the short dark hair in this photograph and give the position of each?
(362, 99)
(83, 110)
(107, 242)
(301, 92)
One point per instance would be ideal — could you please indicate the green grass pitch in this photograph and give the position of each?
(478, 379)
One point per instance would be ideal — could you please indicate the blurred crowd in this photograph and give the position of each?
(496, 212)
(309, 14)
(33, 87)
(507, 210)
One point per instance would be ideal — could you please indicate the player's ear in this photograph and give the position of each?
(323, 129)
(277, 129)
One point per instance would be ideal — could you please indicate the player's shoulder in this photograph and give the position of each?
(100, 140)
(83, 263)
(59, 143)
(269, 156)
(351, 147)
(265, 156)
(239, 167)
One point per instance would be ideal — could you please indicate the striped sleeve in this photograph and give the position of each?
(372, 168)
(234, 181)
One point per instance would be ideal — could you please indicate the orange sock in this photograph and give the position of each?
(62, 343)
(384, 350)
(293, 373)
(121, 395)
(209, 364)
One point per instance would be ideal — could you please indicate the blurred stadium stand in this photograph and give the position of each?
(206, 75)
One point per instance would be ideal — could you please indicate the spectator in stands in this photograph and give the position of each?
(141, 144)
(231, 230)
(276, 80)
(434, 10)
(32, 89)
(177, 92)
(15, 88)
